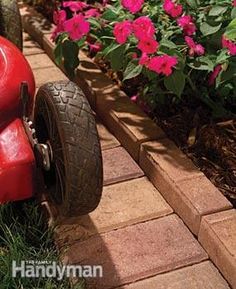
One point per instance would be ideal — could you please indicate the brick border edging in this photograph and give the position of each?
(189, 192)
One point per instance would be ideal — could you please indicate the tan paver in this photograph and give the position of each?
(218, 236)
(138, 251)
(107, 140)
(184, 187)
(40, 61)
(199, 276)
(122, 204)
(129, 124)
(95, 84)
(35, 24)
(198, 197)
(43, 75)
(30, 47)
(119, 166)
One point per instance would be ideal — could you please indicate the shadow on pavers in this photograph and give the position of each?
(81, 244)
(31, 16)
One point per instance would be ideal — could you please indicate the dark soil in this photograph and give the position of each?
(211, 144)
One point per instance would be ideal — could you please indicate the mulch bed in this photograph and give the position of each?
(211, 144)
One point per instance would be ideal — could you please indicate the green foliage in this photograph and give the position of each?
(191, 76)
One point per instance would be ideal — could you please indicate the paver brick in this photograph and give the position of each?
(129, 124)
(137, 252)
(107, 140)
(35, 23)
(199, 276)
(30, 46)
(184, 187)
(43, 75)
(40, 61)
(218, 236)
(119, 166)
(98, 87)
(121, 205)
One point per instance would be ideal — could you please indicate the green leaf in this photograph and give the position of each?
(231, 30)
(94, 23)
(110, 48)
(175, 82)
(110, 15)
(132, 70)
(217, 10)
(70, 51)
(202, 63)
(116, 57)
(207, 29)
(192, 3)
(233, 13)
(58, 54)
(168, 43)
(224, 55)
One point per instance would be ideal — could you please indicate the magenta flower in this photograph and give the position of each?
(186, 23)
(122, 31)
(234, 3)
(162, 64)
(143, 27)
(214, 74)
(172, 9)
(193, 47)
(77, 27)
(148, 45)
(59, 17)
(144, 59)
(92, 13)
(134, 98)
(230, 45)
(95, 47)
(132, 5)
(75, 5)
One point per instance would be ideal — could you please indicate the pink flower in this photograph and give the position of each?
(172, 9)
(132, 5)
(144, 59)
(162, 64)
(104, 2)
(134, 55)
(77, 27)
(122, 31)
(75, 5)
(95, 47)
(143, 27)
(148, 45)
(214, 74)
(193, 47)
(234, 3)
(92, 13)
(226, 43)
(59, 17)
(186, 23)
(134, 98)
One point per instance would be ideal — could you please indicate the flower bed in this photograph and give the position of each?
(175, 59)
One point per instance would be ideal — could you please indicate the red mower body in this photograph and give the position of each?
(17, 160)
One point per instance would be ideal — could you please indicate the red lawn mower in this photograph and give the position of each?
(52, 136)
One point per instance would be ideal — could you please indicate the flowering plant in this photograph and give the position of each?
(173, 47)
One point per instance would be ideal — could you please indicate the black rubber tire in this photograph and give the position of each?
(63, 116)
(10, 22)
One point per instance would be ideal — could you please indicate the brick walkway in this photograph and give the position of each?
(133, 233)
